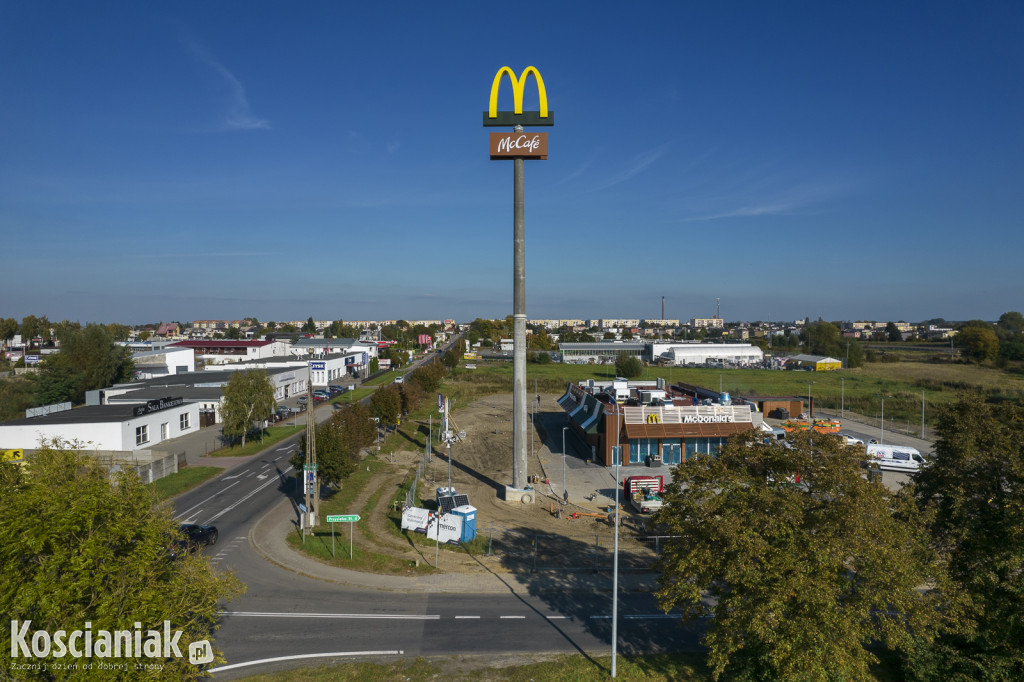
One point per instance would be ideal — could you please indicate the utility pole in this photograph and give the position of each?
(309, 472)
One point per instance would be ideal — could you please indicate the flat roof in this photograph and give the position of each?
(80, 415)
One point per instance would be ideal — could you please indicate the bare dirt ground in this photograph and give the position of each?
(481, 468)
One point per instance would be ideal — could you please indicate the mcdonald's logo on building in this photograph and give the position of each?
(493, 117)
(653, 419)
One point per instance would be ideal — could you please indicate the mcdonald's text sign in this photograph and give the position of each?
(523, 145)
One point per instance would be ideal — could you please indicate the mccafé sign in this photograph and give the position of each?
(526, 145)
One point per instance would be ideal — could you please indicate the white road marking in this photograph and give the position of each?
(466, 617)
(206, 500)
(352, 616)
(261, 476)
(284, 448)
(512, 617)
(398, 652)
(240, 501)
(557, 617)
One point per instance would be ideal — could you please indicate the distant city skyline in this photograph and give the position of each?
(796, 160)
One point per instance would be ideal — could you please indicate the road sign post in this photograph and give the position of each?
(350, 519)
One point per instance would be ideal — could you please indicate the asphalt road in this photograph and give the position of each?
(286, 620)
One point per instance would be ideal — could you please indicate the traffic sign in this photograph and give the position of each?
(344, 518)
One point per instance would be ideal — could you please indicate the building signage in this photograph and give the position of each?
(708, 419)
(493, 117)
(350, 360)
(318, 366)
(365, 358)
(31, 359)
(157, 405)
(526, 145)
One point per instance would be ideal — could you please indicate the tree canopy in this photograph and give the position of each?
(386, 404)
(973, 494)
(978, 342)
(96, 550)
(628, 366)
(338, 442)
(801, 578)
(88, 359)
(248, 399)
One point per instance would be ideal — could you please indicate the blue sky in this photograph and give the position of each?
(197, 160)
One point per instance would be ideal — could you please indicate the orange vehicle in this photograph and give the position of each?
(819, 425)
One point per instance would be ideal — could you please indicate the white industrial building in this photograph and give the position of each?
(738, 354)
(106, 427)
(159, 363)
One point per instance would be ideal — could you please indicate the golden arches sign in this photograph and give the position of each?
(518, 85)
(653, 419)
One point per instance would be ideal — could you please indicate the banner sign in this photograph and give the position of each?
(318, 366)
(157, 405)
(525, 145)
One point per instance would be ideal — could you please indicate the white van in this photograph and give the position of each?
(895, 457)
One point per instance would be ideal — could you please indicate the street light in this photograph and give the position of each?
(810, 400)
(881, 422)
(564, 429)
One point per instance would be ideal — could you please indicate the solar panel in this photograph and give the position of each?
(461, 500)
(446, 504)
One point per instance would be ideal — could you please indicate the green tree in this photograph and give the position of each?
(429, 376)
(309, 326)
(977, 343)
(450, 359)
(374, 365)
(386, 405)
(17, 394)
(1012, 321)
(973, 494)
(29, 328)
(822, 338)
(233, 333)
(88, 360)
(338, 443)
(892, 332)
(8, 328)
(802, 579)
(144, 335)
(628, 366)
(96, 551)
(248, 399)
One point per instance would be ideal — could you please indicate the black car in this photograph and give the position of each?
(194, 536)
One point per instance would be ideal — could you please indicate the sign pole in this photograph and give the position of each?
(333, 555)
(351, 532)
(519, 324)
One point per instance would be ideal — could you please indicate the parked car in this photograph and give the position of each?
(194, 536)
(850, 440)
(303, 400)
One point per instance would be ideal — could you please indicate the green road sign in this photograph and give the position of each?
(344, 518)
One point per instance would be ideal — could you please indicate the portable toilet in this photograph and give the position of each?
(468, 514)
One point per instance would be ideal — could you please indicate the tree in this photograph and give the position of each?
(822, 338)
(309, 326)
(29, 328)
(386, 405)
(338, 443)
(144, 335)
(628, 366)
(973, 494)
(1012, 321)
(88, 360)
(450, 359)
(977, 343)
(97, 551)
(803, 578)
(892, 332)
(248, 398)
(8, 328)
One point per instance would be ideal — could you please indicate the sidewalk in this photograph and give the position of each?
(269, 539)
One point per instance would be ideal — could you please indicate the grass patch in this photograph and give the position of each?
(271, 436)
(318, 543)
(852, 390)
(575, 668)
(352, 396)
(182, 481)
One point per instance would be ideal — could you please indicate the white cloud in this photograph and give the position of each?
(238, 114)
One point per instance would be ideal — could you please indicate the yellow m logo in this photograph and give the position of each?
(653, 419)
(518, 84)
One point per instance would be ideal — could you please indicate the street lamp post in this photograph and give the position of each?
(564, 429)
(881, 421)
(842, 408)
(810, 400)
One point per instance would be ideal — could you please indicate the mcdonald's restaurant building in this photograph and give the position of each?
(664, 432)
